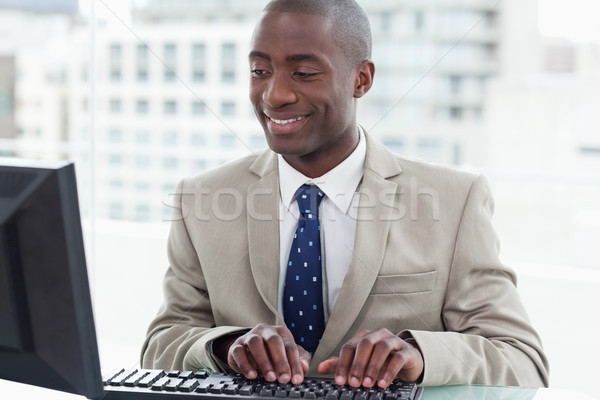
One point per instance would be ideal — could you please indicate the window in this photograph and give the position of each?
(115, 60)
(115, 106)
(142, 137)
(228, 108)
(419, 20)
(228, 62)
(141, 106)
(430, 150)
(456, 83)
(258, 142)
(115, 160)
(142, 212)
(169, 138)
(142, 162)
(228, 141)
(142, 186)
(170, 107)
(198, 62)
(142, 62)
(115, 135)
(115, 210)
(170, 59)
(199, 165)
(395, 145)
(115, 184)
(198, 139)
(170, 163)
(198, 107)
(456, 112)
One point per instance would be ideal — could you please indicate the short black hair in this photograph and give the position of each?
(350, 23)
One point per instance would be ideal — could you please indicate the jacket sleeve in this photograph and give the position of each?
(488, 338)
(180, 335)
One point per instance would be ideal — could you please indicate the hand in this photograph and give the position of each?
(374, 357)
(272, 350)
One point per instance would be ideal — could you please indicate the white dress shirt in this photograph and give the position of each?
(337, 214)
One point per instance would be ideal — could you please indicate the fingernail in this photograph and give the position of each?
(270, 376)
(305, 363)
(354, 381)
(339, 380)
(368, 382)
(382, 383)
(297, 379)
(284, 378)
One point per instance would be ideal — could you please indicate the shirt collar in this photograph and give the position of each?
(339, 184)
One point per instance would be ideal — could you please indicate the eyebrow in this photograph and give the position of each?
(291, 58)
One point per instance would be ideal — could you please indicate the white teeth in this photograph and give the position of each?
(286, 121)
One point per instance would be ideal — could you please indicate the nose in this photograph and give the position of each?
(279, 91)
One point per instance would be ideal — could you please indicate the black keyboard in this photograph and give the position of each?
(181, 385)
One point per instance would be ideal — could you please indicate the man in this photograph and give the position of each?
(409, 283)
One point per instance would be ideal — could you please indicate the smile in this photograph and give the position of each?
(286, 121)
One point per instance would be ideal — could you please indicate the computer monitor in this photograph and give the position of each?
(47, 332)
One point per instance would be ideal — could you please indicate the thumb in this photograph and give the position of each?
(328, 366)
(305, 358)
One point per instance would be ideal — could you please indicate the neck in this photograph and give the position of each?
(316, 164)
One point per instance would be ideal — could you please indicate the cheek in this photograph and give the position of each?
(254, 93)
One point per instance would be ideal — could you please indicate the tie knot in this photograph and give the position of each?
(309, 197)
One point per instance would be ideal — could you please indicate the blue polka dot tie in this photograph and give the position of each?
(303, 292)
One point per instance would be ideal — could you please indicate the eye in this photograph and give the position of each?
(305, 74)
(258, 72)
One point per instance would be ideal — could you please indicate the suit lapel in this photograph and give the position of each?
(375, 212)
(263, 230)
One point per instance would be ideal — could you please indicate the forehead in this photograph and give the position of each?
(281, 34)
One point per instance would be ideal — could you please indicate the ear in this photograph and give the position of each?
(364, 78)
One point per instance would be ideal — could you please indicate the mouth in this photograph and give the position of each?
(286, 126)
(283, 122)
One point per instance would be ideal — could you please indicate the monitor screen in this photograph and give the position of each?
(47, 332)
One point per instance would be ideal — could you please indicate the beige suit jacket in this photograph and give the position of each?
(425, 265)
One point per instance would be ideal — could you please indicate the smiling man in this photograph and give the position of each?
(328, 254)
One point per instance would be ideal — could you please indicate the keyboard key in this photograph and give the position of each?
(204, 387)
(186, 374)
(160, 384)
(135, 378)
(202, 374)
(217, 389)
(231, 389)
(150, 378)
(174, 384)
(332, 395)
(107, 379)
(121, 378)
(347, 395)
(189, 385)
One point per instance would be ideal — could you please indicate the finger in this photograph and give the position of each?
(394, 365)
(412, 367)
(379, 359)
(305, 359)
(346, 358)
(295, 363)
(278, 352)
(256, 347)
(238, 360)
(328, 366)
(361, 360)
